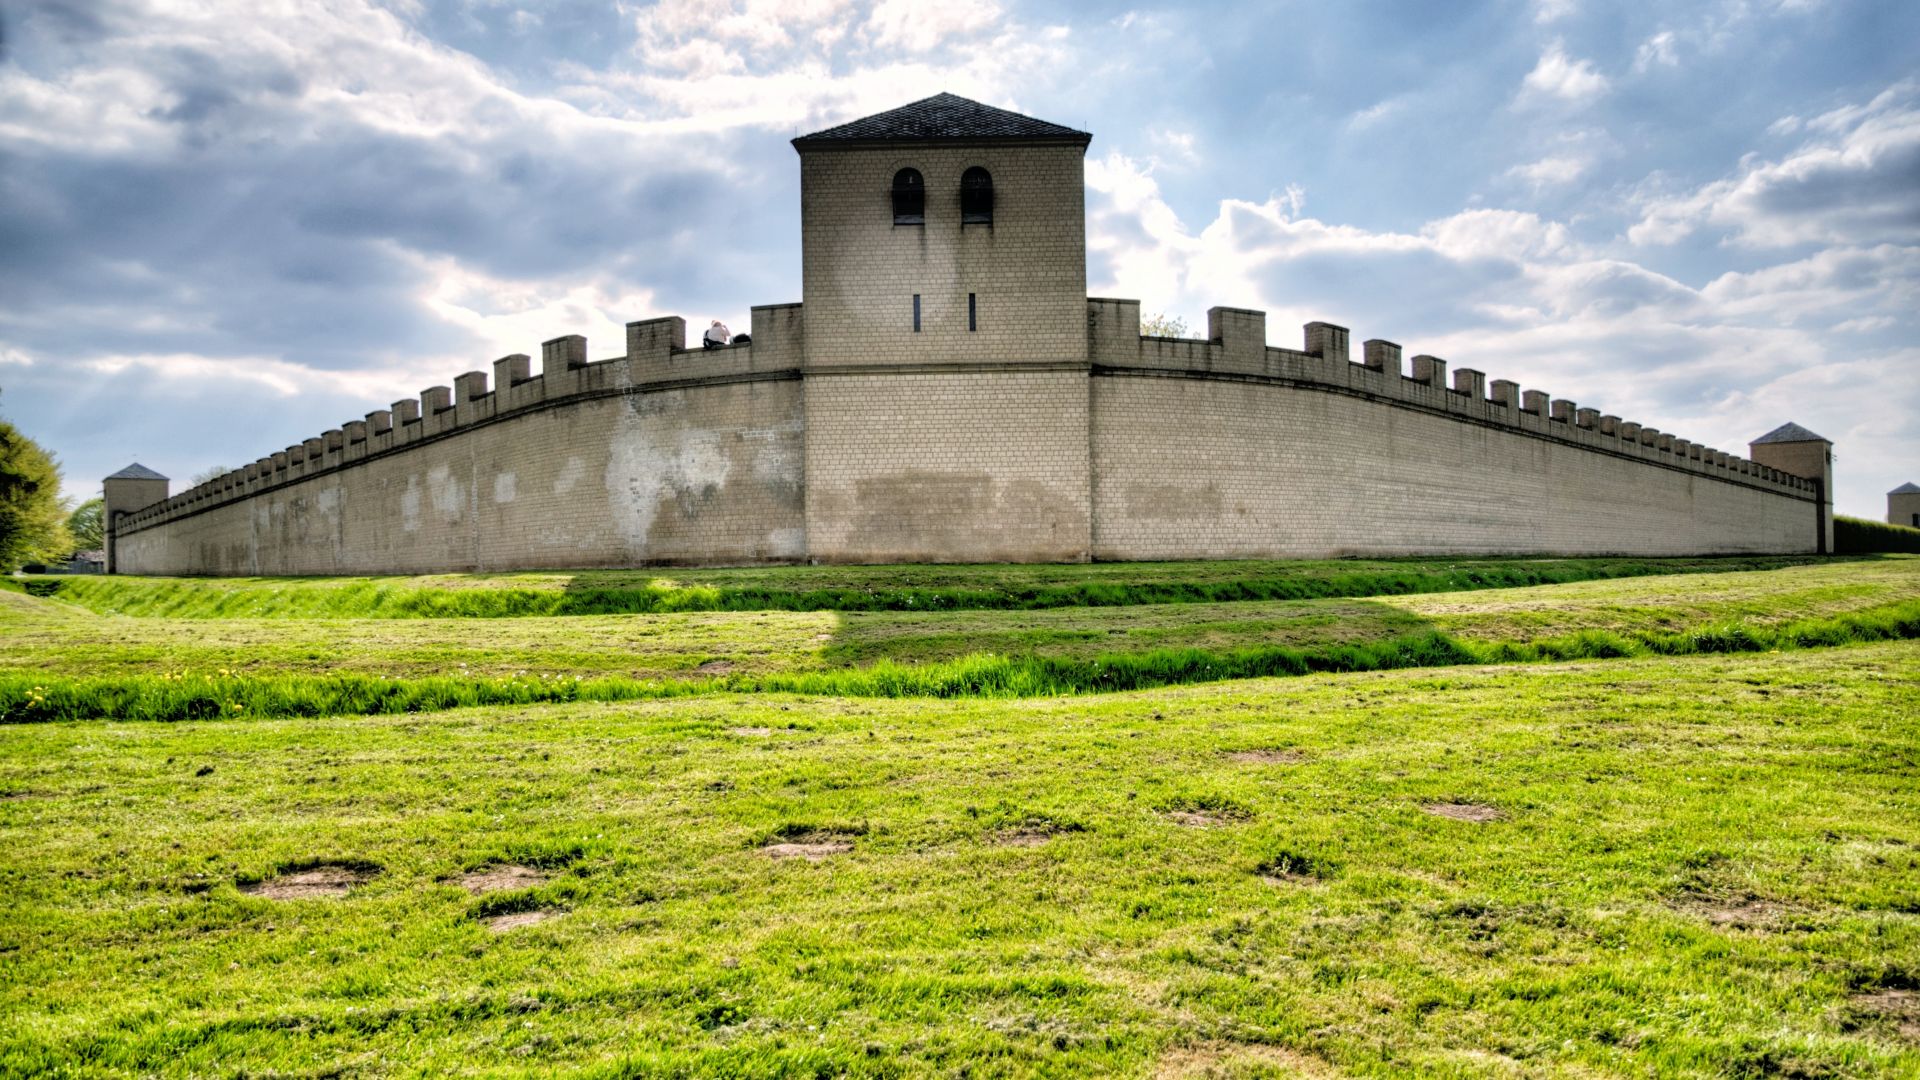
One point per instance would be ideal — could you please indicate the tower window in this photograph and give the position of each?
(972, 322)
(916, 313)
(909, 198)
(976, 197)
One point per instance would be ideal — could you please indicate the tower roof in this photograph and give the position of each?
(1789, 432)
(136, 471)
(941, 118)
(1906, 489)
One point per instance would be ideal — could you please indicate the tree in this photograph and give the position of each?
(32, 521)
(87, 523)
(205, 475)
(1163, 325)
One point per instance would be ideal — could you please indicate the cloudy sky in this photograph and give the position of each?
(227, 226)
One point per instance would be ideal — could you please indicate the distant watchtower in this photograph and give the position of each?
(944, 276)
(135, 487)
(1903, 506)
(1793, 449)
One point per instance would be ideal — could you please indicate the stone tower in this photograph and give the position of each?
(1903, 506)
(944, 270)
(135, 487)
(1793, 449)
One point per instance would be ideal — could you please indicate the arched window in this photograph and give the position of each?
(976, 197)
(909, 198)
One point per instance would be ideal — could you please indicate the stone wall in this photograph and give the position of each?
(1225, 447)
(972, 466)
(1146, 448)
(662, 456)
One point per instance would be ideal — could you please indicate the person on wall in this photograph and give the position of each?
(717, 335)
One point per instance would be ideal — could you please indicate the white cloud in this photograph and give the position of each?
(707, 66)
(919, 27)
(1375, 113)
(1551, 171)
(12, 357)
(278, 377)
(1657, 50)
(1177, 147)
(514, 316)
(1853, 183)
(1558, 75)
(1546, 11)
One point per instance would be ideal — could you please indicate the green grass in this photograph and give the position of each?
(1077, 840)
(851, 588)
(38, 698)
(57, 661)
(1706, 866)
(1852, 535)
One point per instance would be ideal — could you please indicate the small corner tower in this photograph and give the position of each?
(135, 487)
(943, 253)
(1793, 449)
(1903, 506)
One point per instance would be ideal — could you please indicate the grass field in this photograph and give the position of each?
(60, 660)
(842, 588)
(1692, 865)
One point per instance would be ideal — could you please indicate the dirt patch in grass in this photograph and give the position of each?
(811, 846)
(1228, 1059)
(1267, 757)
(489, 879)
(1744, 912)
(1024, 837)
(1464, 811)
(1204, 819)
(514, 920)
(330, 880)
(1896, 1007)
(1033, 832)
(715, 667)
(751, 732)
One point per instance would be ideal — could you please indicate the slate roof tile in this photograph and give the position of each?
(942, 117)
(1789, 432)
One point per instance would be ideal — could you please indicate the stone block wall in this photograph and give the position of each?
(1027, 270)
(1144, 448)
(661, 456)
(1226, 447)
(929, 466)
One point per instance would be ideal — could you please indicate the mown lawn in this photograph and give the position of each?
(54, 639)
(1700, 866)
(845, 588)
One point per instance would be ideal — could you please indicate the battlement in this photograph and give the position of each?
(1236, 348)
(656, 358)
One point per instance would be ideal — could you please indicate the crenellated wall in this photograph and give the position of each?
(1152, 448)
(1226, 447)
(663, 455)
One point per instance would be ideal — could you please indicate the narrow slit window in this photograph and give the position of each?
(976, 197)
(909, 198)
(916, 313)
(973, 322)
